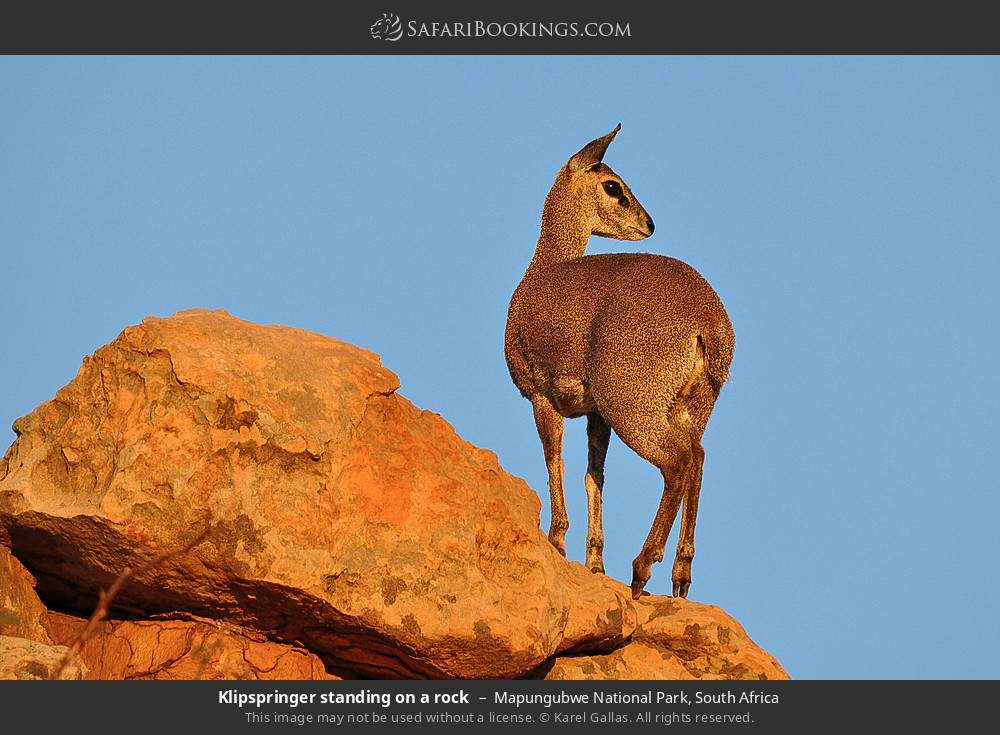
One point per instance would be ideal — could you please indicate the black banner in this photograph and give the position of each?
(384, 706)
(439, 27)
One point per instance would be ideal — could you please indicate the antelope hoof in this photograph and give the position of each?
(642, 570)
(638, 583)
(595, 560)
(637, 589)
(558, 542)
(682, 576)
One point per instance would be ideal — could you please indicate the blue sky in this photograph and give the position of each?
(845, 209)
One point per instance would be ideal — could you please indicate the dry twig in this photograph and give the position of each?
(105, 598)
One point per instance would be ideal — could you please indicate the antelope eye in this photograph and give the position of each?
(612, 189)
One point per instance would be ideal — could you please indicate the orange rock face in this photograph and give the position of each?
(675, 639)
(183, 649)
(21, 611)
(341, 517)
(348, 532)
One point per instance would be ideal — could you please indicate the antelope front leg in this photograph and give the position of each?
(550, 430)
(685, 543)
(598, 436)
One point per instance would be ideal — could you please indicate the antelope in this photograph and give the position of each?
(638, 343)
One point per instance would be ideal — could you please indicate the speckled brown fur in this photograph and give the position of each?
(637, 343)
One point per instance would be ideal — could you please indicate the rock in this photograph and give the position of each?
(20, 609)
(675, 639)
(347, 531)
(183, 649)
(24, 659)
(341, 518)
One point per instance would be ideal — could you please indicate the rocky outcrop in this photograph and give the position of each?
(675, 639)
(339, 520)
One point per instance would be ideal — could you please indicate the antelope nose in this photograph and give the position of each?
(649, 223)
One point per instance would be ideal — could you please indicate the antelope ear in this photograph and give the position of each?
(593, 152)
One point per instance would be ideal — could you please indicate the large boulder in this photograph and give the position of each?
(340, 517)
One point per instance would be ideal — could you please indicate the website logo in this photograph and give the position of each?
(387, 28)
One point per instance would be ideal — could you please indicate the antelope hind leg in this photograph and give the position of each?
(681, 575)
(598, 436)
(674, 468)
